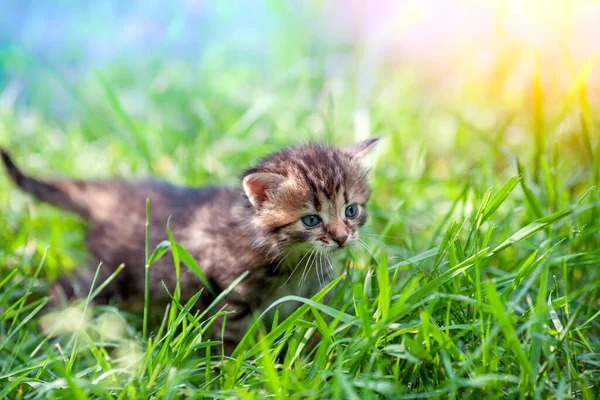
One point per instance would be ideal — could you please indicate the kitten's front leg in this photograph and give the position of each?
(255, 297)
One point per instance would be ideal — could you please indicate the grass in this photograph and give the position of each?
(477, 275)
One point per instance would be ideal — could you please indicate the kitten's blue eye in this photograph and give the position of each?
(352, 211)
(310, 221)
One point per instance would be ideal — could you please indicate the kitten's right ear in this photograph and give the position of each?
(359, 150)
(260, 185)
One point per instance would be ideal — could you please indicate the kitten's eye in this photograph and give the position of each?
(310, 221)
(352, 211)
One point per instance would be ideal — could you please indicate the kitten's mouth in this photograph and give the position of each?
(337, 249)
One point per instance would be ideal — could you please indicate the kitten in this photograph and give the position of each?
(309, 197)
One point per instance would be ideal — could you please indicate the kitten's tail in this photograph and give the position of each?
(65, 194)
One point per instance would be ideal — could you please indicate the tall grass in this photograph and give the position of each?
(477, 275)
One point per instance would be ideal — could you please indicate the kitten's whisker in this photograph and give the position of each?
(268, 253)
(295, 268)
(330, 270)
(369, 237)
(280, 261)
(382, 236)
(380, 243)
(360, 247)
(306, 265)
(323, 268)
(364, 246)
(316, 262)
(368, 248)
(319, 267)
(322, 280)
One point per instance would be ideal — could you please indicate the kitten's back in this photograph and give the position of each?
(116, 211)
(100, 201)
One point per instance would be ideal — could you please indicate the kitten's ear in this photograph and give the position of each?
(359, 150)
(260, 185)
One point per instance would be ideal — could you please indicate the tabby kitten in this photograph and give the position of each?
(293, 208)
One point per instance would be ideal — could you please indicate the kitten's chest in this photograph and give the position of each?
(306, 281)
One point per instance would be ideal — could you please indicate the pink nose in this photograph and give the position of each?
(340, 239)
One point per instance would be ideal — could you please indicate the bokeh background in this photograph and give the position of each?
(453, 47)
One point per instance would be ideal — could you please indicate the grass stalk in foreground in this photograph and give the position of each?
(146, 272)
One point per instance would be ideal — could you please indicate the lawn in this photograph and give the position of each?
(477, 274)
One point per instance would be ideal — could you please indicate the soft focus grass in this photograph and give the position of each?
(478, 275)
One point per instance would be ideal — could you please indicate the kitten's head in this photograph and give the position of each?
(310, 194)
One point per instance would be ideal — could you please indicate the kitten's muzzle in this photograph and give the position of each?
(340, 239)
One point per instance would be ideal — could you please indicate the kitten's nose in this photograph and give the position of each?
(340, 239)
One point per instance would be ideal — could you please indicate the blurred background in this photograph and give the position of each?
(450, 47)
(195, 91)
(480, 59)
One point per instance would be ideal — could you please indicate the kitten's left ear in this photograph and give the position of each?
(359, 150)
